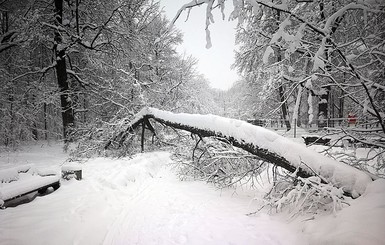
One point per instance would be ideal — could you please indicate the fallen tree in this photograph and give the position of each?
(258, 141)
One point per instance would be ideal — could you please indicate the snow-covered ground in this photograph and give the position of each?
(140, 200)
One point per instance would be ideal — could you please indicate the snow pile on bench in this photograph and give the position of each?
(55, 170)
(339, 174)
(12, 174)
(24, 186)
(8, 175)
(25, 179)
(73, 170)
(71, 167)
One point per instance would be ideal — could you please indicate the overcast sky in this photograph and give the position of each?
(214, 63)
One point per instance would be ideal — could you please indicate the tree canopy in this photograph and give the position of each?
(77, 65)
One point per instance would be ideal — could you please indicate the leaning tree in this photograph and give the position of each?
(258, 141)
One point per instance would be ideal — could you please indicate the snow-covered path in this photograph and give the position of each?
(167, 211)
(139, 201)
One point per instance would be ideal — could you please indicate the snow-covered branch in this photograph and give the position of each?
(40, 71)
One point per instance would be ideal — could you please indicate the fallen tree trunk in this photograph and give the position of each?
(258, 141)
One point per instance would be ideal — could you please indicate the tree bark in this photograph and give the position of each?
(285, 115)
(45, 121)
(62, 78)
(323, 108)
(281, 90)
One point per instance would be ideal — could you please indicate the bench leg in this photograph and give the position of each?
(42, 190)
(56, 186)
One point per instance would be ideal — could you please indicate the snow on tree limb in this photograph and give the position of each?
(209, 15)
(351, 6)
(185, 7)
(263, 143)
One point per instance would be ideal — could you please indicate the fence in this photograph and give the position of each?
(277, 124)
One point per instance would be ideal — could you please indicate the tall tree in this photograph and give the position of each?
(61, 74)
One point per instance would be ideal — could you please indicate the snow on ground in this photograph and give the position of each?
(362, 222)
(168, 211)
(139, 200)
(41, 155)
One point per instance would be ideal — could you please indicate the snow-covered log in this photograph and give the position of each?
(263, 143)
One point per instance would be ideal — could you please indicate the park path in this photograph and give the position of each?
(165, 210)
(136, 200)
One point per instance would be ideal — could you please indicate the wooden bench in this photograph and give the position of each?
(315, 139)
(15, 184)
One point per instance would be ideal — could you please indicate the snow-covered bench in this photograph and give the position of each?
(316, 139)
(17, 182)
(71, 171)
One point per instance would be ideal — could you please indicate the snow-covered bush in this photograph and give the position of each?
(226, 166)
(299, 195)
(91, 141)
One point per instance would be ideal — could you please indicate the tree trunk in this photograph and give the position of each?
(258, 141)
(45, 121)
(285, 115)
(4, 22)
(297, 111)
(323, 106)
(341, 101)
(281, 90)
(61, 74)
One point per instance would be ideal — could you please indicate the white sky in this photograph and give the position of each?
(214, 63)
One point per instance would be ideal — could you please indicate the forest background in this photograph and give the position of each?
(79, 69)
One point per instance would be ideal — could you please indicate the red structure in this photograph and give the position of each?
(351, 119)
